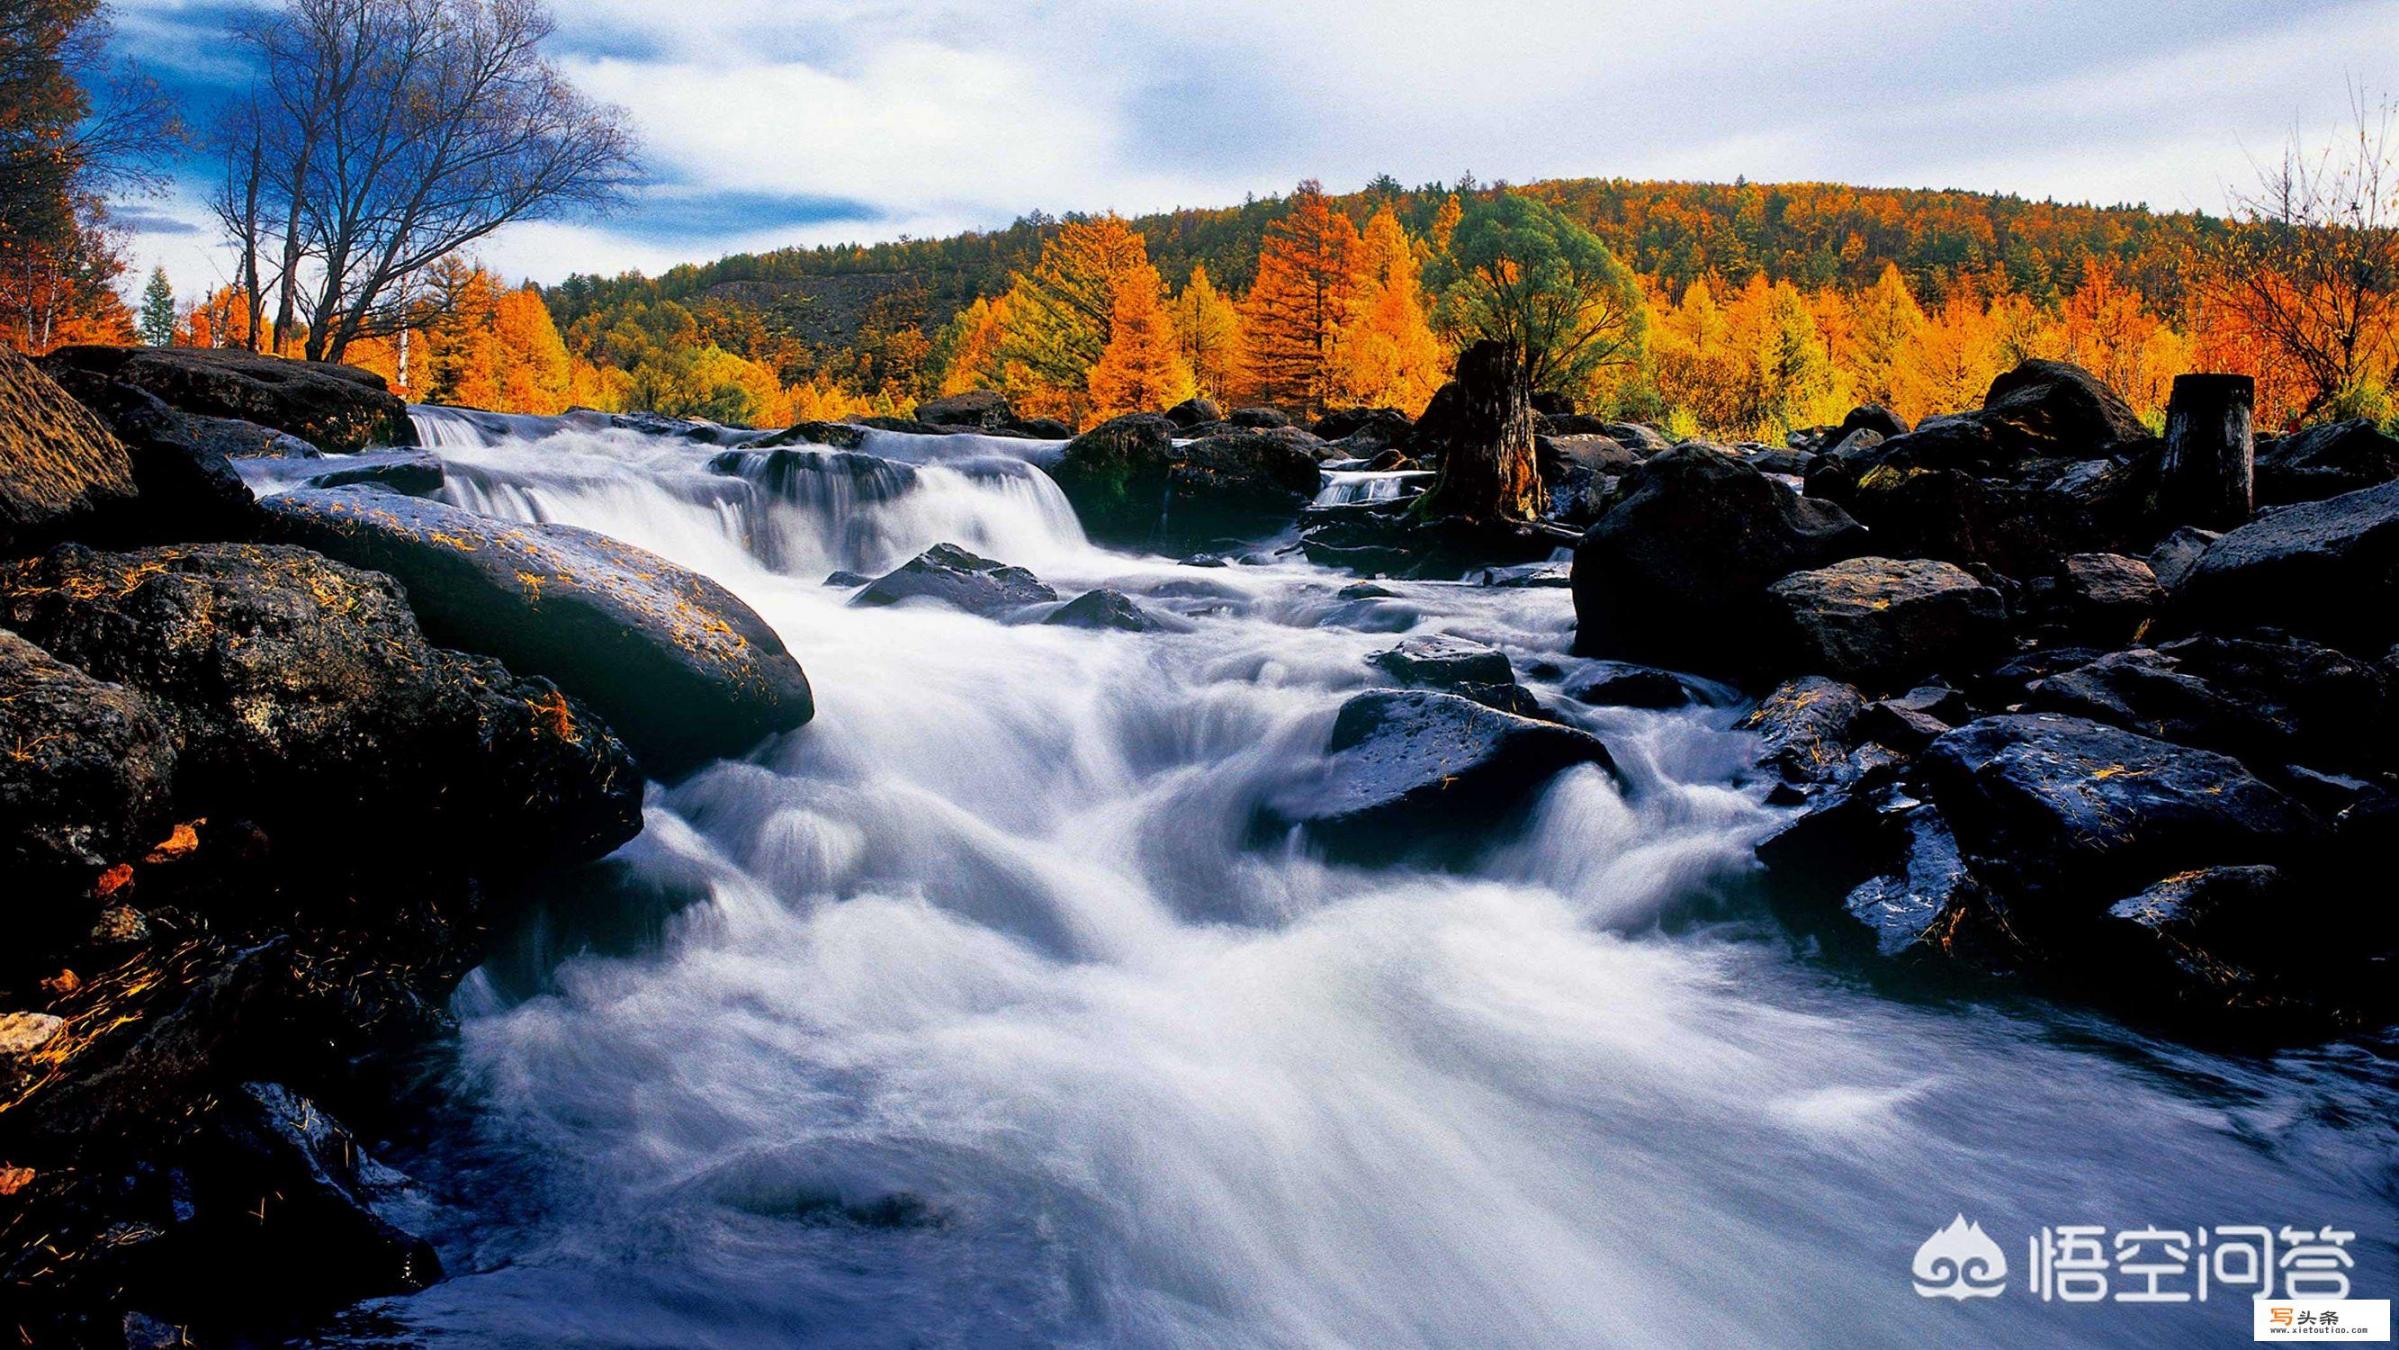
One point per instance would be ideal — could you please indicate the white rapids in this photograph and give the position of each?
(972, 1013)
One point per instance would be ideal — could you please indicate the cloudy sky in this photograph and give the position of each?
(775, 122)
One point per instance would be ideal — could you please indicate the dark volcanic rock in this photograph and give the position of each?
(2325, 461)
(1260, 418)
(335, 408)
(311, 1193)
(1365, 428)
(60, 469)
(413, 473)
(2176, 554)
(1192, 412)
(1883, 622)
(837, 435)
(2103, 597)
(1455, 665)
(1872, 417)
(86, 778)
(1403, 766)
(2054, 408)
(2268, 700)
(975, 410)
(1930, 902)
(1620, 684)
(950, 575)
(2073, 812)
(1131, 482)
(2327, 569)
(678, 665)
(1808, 726)
(1105, 609)
(301, 692)
(2209, 938)
(1679, 566)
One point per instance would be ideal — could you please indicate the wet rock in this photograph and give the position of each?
(949, 575)
(1931, 903)
(1105, 609)
(87, 778)
(2209, 938)
(2074, 812)
(1259, 418)
(846, 579)
(972, 410)
(413, 473)
(237, 440)
(677, 664)
(1532, 576)
(302, 693)
(2175, 555)
(2325, 461)
(1458, 666)
(2269, 700)
(1386, 538)
(336, 408)
(1807, 727)
(1901, 724)
(1364, 428)
(1193, 411)
(2327, 569)
(1849, 829)
(1620, 684)
(1881, 622)
(1872, 417)
(1403, 767)
(1639, 437)
(311, 1196)
(1781, 463)
(1131, 482)
(833, 435)
(60, 469)
(1366, 590)
(1599, 454)
(1678, 567)
(2008, 682)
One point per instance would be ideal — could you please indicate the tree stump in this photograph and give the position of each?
(2210, 454)
(1487, 467)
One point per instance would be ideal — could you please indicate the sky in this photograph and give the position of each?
(768, 123)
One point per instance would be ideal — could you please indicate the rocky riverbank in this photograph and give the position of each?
(261, 807)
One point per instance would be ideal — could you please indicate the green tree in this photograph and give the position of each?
(158, 310)
(1519, 273)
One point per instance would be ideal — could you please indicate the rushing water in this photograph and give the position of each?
(971, 1013)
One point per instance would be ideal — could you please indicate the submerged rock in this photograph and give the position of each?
(1105, 609)
(1405, 767)
(1619, 684)
(677, 664)
(949, 575)
(333, 407)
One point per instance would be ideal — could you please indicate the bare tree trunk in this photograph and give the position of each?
(2210, 453)
(1487, 468)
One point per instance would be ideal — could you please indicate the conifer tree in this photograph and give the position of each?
(1208, 326)
(1306, 290)
(1143, 369)
(1061, 313)
(158, 310)
(1388, 356)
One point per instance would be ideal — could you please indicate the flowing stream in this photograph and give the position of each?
(972, 1013)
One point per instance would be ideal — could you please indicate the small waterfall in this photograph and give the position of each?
(1345, 487)
(439, 428)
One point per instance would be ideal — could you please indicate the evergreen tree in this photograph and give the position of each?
(158, 310)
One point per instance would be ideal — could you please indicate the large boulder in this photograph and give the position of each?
(86, 778)
(1404, 767)
(2058, 409)
(677, 664)
(1872, 417)
(1365, 429)
(1107, 611)
(1197, 411)
(302, 693)
(333, 407)
(973, 410)
(1806, 728)
(2327, 569)
(949, 575)
(2271, 701)
(1881, 623)
(1457, 666)
(60, 469)
(1678, 568)
(1130, 481)
(2067, 814)
(2325, 461)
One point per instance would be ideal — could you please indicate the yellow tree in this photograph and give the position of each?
(1059, 315)
(1306, 288)
(1698, 368)
(1952, 365)
(533, 374)
(1209, 329)
(1143, 369)
(972, 340)
(1884, 324)
(1445, 222)
(1388, 356)
(461, 344)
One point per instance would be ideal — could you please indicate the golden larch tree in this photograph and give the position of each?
(1306, 290)
(1143, 369)
(1060, 315)
(1388, 356)
(1208, 327)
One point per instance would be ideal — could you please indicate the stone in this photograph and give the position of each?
(2176, 554)
(1132, 482)
(60, 468)
(1619, 684)
(2105, 597)
(1105, 609)
(974, 409)
(1884, 622)
(675, 663)
(1455, 665)
(2325, 461)
(2327, 569)
(1806, 727)
(89, 776)
(949, 575)
(336, 408)
(2057, 408)
(1192, 412)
